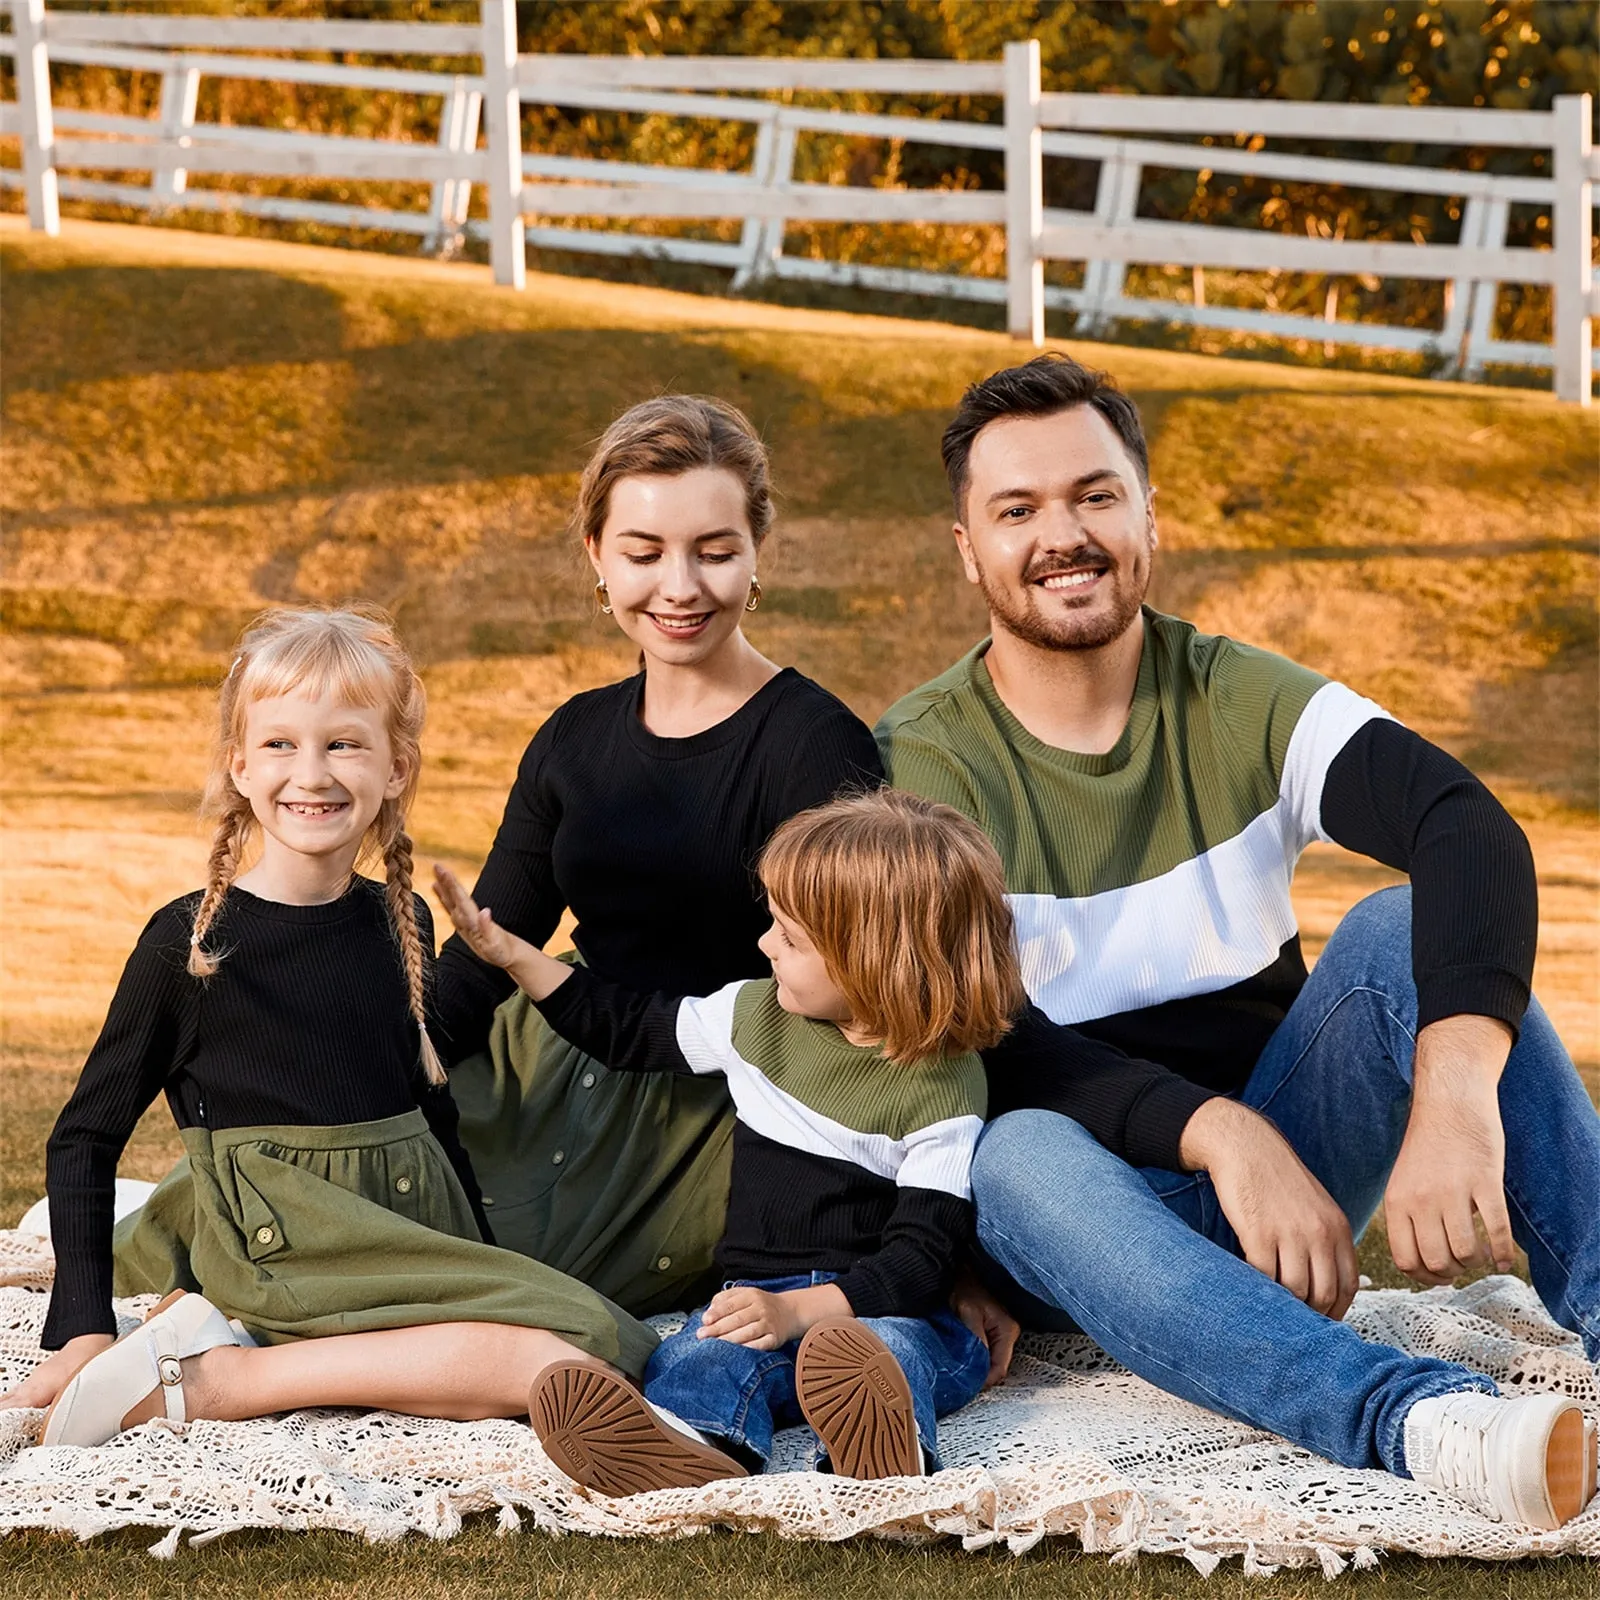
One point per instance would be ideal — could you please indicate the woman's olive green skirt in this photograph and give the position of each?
(305, 1232)
(617, 1179)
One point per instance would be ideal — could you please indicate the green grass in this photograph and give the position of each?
(479, 1566)
(197, 427)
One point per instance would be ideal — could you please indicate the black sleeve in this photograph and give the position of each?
(1391, 795)
(1136, 1109)
(840, 756)
(147, 1029)
(628, 1030)
(436, 1104)
(518, 884)
(925, 1239)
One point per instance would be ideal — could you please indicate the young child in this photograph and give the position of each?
(281, 1011)
(859, 1099)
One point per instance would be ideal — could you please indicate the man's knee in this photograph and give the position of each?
(1021, 1148)
(1372, 945)
(1380, 920)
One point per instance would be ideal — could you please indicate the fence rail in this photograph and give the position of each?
(535, 198)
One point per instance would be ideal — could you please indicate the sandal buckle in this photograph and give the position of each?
(170, 1369)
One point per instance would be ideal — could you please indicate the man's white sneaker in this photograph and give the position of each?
(1525, 1459)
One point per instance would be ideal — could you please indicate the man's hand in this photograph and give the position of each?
(44, 1384)
(768, 1321)
(1452, 1161)
(1288, 1225)
(989, 1321)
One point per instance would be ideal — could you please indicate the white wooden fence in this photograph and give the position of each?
(1126, 135)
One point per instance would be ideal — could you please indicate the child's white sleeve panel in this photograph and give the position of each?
(940, 1157)
(705, 1031)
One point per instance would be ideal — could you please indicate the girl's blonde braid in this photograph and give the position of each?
(403, 914)
(227, 846)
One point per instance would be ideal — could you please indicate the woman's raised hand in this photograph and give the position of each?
(485, 937)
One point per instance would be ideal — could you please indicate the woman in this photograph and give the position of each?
(642, 807)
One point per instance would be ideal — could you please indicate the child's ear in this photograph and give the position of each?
(236, 771)
(399, 776)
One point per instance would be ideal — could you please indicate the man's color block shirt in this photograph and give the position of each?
(843, 1162)
(1151, 884)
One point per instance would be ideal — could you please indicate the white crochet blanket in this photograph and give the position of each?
(1070, 1444)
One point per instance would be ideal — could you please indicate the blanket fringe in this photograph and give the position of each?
(165, 1549)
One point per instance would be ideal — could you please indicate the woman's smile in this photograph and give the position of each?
(680, 626)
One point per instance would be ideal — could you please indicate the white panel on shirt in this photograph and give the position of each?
(1332, 717)
(936, 1157)
(705, 1030)
(1210, 922)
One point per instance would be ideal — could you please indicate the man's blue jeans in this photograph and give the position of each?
(743, 1395)
(1144, 1261)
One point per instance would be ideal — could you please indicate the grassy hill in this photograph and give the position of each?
(195, 427)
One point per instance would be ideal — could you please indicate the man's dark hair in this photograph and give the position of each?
(1038, 388)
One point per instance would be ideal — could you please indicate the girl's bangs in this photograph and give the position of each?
(326, 664)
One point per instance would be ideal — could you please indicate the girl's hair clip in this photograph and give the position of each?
(235, 667)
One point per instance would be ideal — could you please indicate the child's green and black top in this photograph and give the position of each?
(843, 1162)
(306, 1023)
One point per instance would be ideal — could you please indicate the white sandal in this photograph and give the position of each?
(90, 1410)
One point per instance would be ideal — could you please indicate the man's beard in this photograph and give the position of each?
(1088, 629)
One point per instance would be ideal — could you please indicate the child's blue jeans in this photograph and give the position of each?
(742, 1395)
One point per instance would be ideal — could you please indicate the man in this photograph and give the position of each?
(1150, 789)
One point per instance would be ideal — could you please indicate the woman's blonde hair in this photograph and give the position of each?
(354, 655)
(905, 902)
(670, 435)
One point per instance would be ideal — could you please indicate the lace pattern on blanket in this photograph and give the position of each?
(1071, 1444)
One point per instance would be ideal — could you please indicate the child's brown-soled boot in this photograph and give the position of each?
(854, 1393)
(600, 1431)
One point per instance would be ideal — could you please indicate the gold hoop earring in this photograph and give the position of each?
(755, 595)
(603, 595)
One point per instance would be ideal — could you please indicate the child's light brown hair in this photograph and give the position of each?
(905, 901)
(355, 655)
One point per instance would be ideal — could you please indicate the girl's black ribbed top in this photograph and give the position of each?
(306, 1023)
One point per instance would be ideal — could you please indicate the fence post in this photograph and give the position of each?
(1024, 193)
(38, 125)
(1469, 310)
(1116, 199)
(458, 133)
(762, 238)
(502, 105)
(1572, 220)
(180, 99)
(1486, 292)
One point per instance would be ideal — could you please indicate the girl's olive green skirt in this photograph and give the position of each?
(617, 1179)
(305, 1232)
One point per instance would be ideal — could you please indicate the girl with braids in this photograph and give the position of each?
(334, 1242)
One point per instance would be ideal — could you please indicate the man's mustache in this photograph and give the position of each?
(1088, 554)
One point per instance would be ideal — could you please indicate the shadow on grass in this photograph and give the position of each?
(524, 400)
